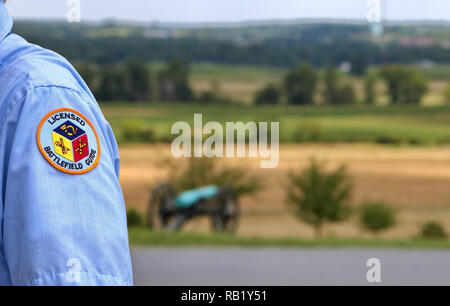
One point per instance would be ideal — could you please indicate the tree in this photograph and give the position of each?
(300, 84)
(319, 195)
(138, 86)
(447, 94)
(111, 86)
(375, 216)
(359, 64)
(346, 95)
(370, 81)
(89, 74)
(406, 85)
(174, 82)
(268, 95)
(334, 92)
(330, 85)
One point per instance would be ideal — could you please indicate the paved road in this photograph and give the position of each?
(235, 266)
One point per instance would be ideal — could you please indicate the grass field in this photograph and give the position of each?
(144, 237)
(376, 124)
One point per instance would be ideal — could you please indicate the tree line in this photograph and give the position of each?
(134, 81)
(273, 45)
(300, 86)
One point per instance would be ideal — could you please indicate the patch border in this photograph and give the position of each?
(38, 138)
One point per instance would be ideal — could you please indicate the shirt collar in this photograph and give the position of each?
(6, 22)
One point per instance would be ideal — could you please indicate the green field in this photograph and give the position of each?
(416, 125)
(144, 237)
(438, 72)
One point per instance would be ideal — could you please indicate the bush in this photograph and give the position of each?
(268, 95)
(210, 97)
(136, 132)
(433, 230)
(375, 216)
(207, 97)
(307, 133)
(320, 195)
(447, 94)
(134, 218)
(387, 140)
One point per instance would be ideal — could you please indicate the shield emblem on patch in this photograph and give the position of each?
(68, 141)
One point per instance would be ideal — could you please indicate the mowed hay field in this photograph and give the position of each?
(415, 180)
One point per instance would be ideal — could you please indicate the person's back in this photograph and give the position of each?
(62, 210)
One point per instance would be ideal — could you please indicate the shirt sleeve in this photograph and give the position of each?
(61, 228)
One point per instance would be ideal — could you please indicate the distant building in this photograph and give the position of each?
(417, 42)
(158, 33)
(345, 67)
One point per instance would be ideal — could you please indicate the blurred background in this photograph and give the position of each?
(361, 90)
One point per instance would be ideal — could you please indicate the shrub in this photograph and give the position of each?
(134, 218)
(433, 230)
(447, 94)
(207, 97)
(268, 95)
(307, 133)
(319, 195)
(387, 140)
(136, 132)
(376, 216)
(210, 97)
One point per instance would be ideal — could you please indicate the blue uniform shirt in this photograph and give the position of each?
(62, 213)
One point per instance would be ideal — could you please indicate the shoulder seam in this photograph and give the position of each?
(19, 101)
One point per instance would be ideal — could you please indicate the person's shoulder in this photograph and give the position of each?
(25, 66)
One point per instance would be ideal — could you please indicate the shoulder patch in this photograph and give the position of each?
(68, 141)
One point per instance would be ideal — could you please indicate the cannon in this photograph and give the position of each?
(169, 210)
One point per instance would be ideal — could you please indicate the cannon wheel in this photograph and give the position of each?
(227, 217)
(161, 207)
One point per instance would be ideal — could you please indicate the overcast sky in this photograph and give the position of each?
(229, 10)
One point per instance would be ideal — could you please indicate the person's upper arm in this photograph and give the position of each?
(64, 220)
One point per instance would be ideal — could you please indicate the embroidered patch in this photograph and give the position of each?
(68, 141)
